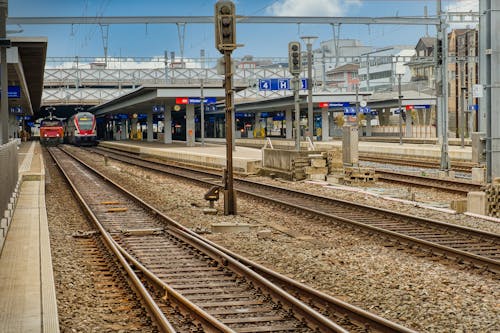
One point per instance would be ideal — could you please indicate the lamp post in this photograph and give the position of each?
(310, 120)
(399, 70)
(400, 110)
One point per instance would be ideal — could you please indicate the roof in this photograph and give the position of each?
(345, 68)
(30, 69)
(427, 41)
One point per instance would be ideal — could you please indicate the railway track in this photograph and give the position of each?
(460, 166)
(179, 273)
(415, 162)
(448, 185)
(479, 248)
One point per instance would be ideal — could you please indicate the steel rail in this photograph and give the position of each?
(304, 311)
(450, 185)
(480, 261)
(416, 162)
(364, 318)
(151, 305)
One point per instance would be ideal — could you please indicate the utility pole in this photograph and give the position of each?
(202, 113)
(225, 42)
(310, 117)
(400, 110)
(166, 66)
(4, 104)
(442, 64)
(295, 68)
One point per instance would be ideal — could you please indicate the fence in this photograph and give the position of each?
(8, 173)
(417, 131)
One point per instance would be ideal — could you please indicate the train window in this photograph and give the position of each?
(85, 122)
(50, 123)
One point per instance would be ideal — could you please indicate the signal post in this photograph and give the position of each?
(225, 42)
(295, 68)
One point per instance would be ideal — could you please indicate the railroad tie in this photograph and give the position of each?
(117, 209)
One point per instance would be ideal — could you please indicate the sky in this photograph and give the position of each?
(259, 40)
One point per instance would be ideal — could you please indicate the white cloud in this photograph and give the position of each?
(311, 7)
(463, 6)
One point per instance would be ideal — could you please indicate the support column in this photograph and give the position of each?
(167, 127)
(190, 131)
(495, 91)
(150, 125)
(113, 126)
(289, 124)
(133, 128)
(369, 124)
(409, 126)
(257, 125)
(125, 132)
(325, 125)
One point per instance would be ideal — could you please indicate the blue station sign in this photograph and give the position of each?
(14, 92)
(279, 84)
(351, 111)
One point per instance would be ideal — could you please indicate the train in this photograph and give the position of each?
(51, 131)
(80, 129)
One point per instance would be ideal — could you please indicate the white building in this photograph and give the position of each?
(378, 69)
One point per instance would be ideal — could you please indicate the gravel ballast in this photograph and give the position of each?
(421, 292)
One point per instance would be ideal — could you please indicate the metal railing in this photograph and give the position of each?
(9, 173)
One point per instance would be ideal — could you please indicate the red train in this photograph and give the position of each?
(80, 129)
(51, 131)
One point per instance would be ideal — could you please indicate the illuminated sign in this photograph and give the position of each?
(333, 104)
(195, 100)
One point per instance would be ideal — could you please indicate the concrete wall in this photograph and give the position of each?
(282, 159)
(9, 173)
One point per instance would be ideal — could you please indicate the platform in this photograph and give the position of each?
(245, 159)
(424, 150)
(27, 292)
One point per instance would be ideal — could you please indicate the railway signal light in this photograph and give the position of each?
(294, 58)
(439, 51)
(225, 26)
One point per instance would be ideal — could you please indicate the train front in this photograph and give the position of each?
(51, 131)
(86, 129)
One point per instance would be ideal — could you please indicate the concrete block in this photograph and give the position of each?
(334, 179)
(460, 206)
(265, 234)
(442, 174)
(318, 163)
(4, 223)
(479, 175)
(476, 203)
(229, 227)
(209, 211)
(316, 176)
(315, 171)
(7, 214)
